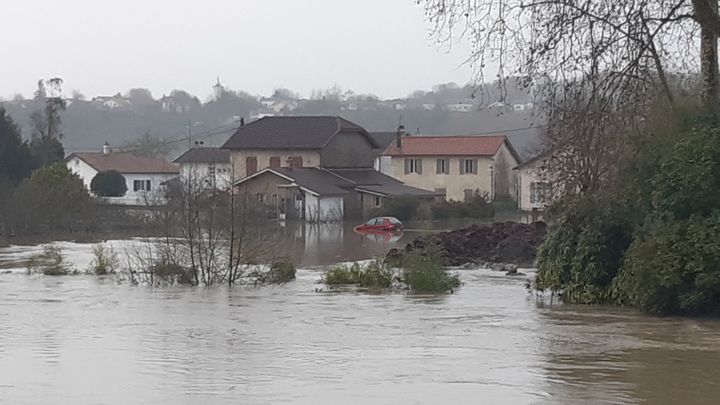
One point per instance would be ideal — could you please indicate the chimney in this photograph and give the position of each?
(106, 148)
(398, 136)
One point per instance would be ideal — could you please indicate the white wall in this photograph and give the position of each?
(201, 172)
(323, 209)
(83, 170)
(131, 197)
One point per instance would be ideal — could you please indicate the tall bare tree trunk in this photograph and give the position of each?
(709, 63)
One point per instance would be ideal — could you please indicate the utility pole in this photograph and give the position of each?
(189, 127)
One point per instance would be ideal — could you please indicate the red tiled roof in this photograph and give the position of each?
(469, 145)
(125, 162)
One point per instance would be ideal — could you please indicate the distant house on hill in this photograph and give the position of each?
(116, 102)
(143, 175)
(457, 166)
(460, 107)
(317, 168)
(209, 166)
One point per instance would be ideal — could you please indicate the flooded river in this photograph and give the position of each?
(88, 340)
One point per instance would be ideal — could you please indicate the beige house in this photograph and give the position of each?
(315, 168)
(299, 141)
(456, 166)
(535, 187)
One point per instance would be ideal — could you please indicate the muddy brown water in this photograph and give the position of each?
(89, 340)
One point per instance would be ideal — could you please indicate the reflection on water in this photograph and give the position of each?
(84, 340)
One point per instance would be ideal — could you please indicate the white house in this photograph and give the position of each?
(535, 187)
(143, 175)
(459, 107)
(210, 167)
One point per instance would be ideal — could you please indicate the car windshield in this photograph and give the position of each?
(373, 221)
(394, 220)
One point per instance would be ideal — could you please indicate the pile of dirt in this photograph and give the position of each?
(503, 242)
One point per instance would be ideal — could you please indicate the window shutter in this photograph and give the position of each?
(418, 166)
(447, 166)
(438, 166)
(475, 166)
(462, 166)
(407, 166)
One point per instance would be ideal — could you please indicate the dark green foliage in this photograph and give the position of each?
(687, 180)
(653, 242)
(15, 159)
(424, 273)
(402, 208)
(583, 250)
(52, 198)
(46, 151)
(476, 207)
(673, 268)
(108, 184)
(406, 208)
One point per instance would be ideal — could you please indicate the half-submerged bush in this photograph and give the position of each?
(50, 262)
(105, 261)
(280, 272)
(424, 273)
(674, 268)
(373, 275)
(165, 271)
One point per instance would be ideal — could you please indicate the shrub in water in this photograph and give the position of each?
(342, 274)
(424, 273)
(169, 272)
(105, 261)
(280, 272)
(50, 262)
(673, 268)
(375, 275)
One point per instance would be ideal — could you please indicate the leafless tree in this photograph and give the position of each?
(636, 42)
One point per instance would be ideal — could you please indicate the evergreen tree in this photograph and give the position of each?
(15, 160)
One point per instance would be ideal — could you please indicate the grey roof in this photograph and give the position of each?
(373, 181)
(332, 182)
(302, 132)
(398, 190)
(204, 155)
(383, 138)
(317, 180)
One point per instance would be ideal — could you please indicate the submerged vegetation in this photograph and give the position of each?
(50, 262)
(421, 273)
(105, 261)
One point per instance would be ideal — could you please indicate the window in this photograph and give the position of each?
(376, 201)
(296, 161)
(141, 185)
(261, 198)
(250, 165)
(274, 162)
(443, 166)
(540, 192)
(468, 194)
(468, 166)
(413, 166)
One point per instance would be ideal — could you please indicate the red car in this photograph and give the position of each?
(381, 224)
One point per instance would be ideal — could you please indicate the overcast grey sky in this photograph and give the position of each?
(102, 47)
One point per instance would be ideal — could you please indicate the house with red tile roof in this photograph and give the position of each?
(458, 166)
(143, 175)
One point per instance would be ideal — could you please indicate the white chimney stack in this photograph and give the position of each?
(106, 148)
